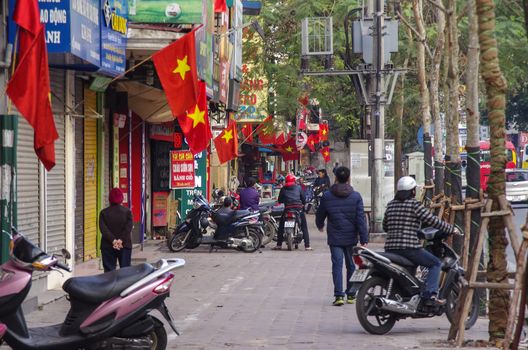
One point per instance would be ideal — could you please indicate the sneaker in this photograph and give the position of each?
(351, 299)
(434, 301)
(338, 301)
(308, 248)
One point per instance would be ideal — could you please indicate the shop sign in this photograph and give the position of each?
(55, 17)
(162, 132)
(71, 27)
(236, 39)
(165, 11)
(159, 208)
(204, 46)
(200, 184)
(114, 23)
(253, 96)
(181, 169)
(85, 32)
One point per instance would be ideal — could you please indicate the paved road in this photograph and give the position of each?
(520, 210)
(273, 299)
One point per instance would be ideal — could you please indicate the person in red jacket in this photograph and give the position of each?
(115, 223)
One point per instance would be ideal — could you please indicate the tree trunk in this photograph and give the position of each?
(435, 103)
(525, 7)
(400, 101)
(424, 91)
(473, 117)
(496, 102)
(454, 181)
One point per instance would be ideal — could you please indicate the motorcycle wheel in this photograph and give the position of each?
(289, 239)
(176, 243)
(381, 322)
(451, 306)
(254, 236)
(269, 232)
(158, 335)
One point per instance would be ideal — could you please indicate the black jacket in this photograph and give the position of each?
(346, 216)
(115, 222)
(325, 182)
(292, 196)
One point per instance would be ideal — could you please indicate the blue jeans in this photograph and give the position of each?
(338, 253)
(422, 257)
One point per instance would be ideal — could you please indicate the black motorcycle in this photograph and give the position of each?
(244, 232)
(292, 228)
(389, 288)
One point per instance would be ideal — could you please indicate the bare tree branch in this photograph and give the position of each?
(438, 6)
(418, 36)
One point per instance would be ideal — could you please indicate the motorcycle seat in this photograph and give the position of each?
(398, 259)
(98, 288)
(241, 213)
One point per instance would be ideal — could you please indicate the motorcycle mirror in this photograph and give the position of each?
(66, 254)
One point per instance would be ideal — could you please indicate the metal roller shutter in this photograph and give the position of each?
(55, 179)
(90, 176)
(27, 183)
(79, 174)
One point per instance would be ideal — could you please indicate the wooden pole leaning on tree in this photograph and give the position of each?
(518, 302)
(470, 284)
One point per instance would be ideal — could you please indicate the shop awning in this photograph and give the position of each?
(148, 102)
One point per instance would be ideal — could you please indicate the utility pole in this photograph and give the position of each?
(377, 114)
(375, 37)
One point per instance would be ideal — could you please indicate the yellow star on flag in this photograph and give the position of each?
(197, 116)
(182, 67)
(324, 131)
(289, 149)
(228, 136)
(326, 154)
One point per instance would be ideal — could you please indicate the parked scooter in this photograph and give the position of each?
(199, 228)
(108, 311)
(271, 213)
(390, 290)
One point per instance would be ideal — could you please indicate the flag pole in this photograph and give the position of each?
(247, 138)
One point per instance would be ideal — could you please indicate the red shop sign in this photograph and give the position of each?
(181, 170)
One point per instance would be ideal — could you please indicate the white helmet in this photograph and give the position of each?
(406, 183)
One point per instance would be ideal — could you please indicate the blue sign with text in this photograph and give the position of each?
(85, 33)
(54, 14)
(114, 23)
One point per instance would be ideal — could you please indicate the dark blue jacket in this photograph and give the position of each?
(249, 199)
(346, 217)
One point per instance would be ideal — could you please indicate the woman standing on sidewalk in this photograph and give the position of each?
(115, 223)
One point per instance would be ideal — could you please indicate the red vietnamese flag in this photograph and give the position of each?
(227, 143)
(176, 68)
(302, 124)
(323, 132)
(247, 132)
(266, 131)
(29, 87)
(289, 150)
(220, 6)
(195, 124)
(313, 140)
(326, 154)
(280, 138)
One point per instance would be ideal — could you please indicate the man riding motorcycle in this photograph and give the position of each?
(402, 220)
(322, 182)
(292, 196)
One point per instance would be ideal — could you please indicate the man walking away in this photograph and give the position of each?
(346, 226)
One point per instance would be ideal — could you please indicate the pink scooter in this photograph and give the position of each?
(108, 311)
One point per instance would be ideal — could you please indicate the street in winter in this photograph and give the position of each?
(280, 174)
(273, 299)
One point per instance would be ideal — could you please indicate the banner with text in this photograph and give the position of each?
(182, 169)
